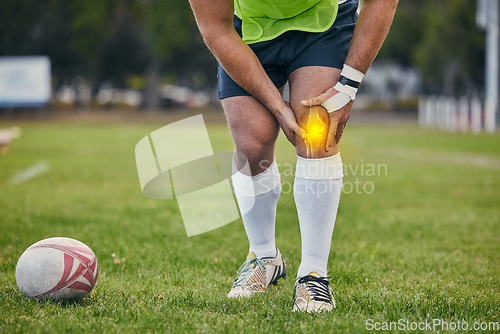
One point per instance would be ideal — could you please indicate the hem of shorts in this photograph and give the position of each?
(224, 95)
(338, 65)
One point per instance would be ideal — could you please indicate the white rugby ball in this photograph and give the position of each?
(57, 268)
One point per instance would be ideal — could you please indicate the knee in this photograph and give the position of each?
(256, 152)
(259, 154)
(315, 121)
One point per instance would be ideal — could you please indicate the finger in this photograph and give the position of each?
(298, 131)
(332, 132)
(290, 136)
(340, 131)
(341, 127)
(315, 101)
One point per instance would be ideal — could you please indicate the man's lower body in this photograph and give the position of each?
(311, 64)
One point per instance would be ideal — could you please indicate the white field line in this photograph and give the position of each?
(30, 173)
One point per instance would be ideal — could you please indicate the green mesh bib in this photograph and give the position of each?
(263, 20)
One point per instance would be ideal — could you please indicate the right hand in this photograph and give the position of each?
(338, 118)
(288, 122)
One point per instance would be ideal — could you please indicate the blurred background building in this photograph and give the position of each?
(148, 55)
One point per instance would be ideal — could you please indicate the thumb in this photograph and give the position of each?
(332, 133)
(316, 101)
(298, 130)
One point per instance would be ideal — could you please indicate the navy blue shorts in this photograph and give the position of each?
(295, 49)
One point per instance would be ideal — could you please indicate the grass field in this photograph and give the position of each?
(423, 245)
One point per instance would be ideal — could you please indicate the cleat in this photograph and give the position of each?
(255, 275)
(313, 294)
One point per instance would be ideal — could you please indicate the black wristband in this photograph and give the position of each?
(348, 82)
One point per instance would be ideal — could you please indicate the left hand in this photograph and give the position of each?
(338, 118)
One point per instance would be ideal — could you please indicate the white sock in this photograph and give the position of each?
(317, 189)
(257, 198)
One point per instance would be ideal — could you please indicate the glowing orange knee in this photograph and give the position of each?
(315, 128)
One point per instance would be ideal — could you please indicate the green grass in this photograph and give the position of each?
(424, 245)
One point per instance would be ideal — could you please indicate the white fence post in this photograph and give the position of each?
(430, 111)
(463, 114)
(476, 125)
(451, 114)
(441, 113)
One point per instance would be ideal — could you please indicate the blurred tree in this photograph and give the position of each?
(124, 39)
(98, 39)
(30, 27)
(110, 35)
(451, 52)
(406, 33)
(441, 39)
(177, 48)
(125, 53)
